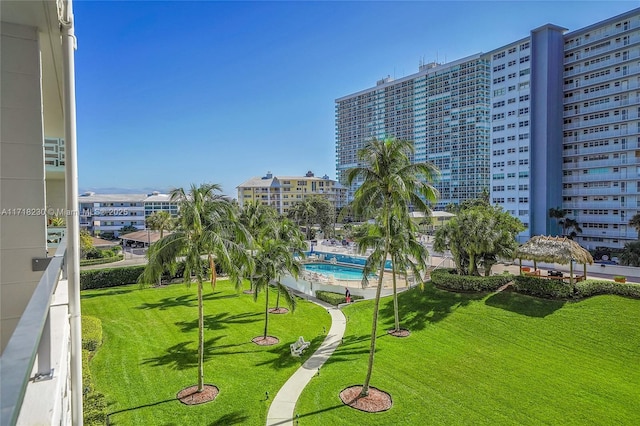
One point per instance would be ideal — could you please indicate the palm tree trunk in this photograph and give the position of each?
(266, 311)
(200, 339)
(214, 277)
(374, 330)
(395, 301)
(278, 301)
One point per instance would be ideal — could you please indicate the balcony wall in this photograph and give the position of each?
(21, 171)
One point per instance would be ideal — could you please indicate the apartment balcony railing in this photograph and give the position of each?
(612, 119)
(600, 135)
(35, 363)
(603, 50)
(631, 25)
(601, 107)
(614, 162)
(612, 147)
(574, 192)
(599, 93)
(581, 205)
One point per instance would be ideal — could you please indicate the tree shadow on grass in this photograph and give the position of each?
(524, 305)
(219, 321)
(417, 308)
(187, 300)
(184, 355)
(235, 418)
(112, 292)
(111, 421)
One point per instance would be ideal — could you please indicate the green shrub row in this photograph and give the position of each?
(541, 287)
(593, 287)
(94, 406)
(100, 261)
(98, 253)
(334, 298)
(449, 279)
(91, 333)
(111, 277)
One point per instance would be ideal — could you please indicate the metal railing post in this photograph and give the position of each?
(45, 372)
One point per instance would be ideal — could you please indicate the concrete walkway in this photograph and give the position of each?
(283, 406)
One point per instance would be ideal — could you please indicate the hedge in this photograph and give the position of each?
(112, 277)
(541, 287)
(593, 287)
(94, 405)
(100, 261)
(335, 298)
(91, 333)
(449, 279)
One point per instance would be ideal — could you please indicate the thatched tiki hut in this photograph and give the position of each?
(554, 250)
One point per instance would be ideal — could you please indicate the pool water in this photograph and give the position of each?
(339, 272)
(344, 258)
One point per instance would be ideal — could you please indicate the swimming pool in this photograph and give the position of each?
(344, 258)
(339, 272)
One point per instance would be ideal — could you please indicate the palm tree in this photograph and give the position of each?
(272, 259)
(287, 231)
(406, 254)
(558, 214)
(303, 213)
(568, 224)
(159, 221)
(635, 223)
(390, 182)
(207, 234)
(257, 218)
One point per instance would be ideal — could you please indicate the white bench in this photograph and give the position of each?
(299, 346)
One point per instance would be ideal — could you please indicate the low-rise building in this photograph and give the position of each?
(102, 214)
(282, 192)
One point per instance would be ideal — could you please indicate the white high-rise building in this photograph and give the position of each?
(443, 109)
(601, 151)
(548, 121)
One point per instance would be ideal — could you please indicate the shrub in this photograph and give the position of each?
(94, 409)
(87, 378)
(102, 260)
(593, 287)
(450, 280)
(112, 277)
(334, 298)
(91, 333)
(540, 287)
(94, 406)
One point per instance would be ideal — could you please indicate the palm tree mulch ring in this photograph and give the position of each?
(278, 310)
(191, 396)
(375, 402)
(401, 332)
(265, 341)
(248, 291)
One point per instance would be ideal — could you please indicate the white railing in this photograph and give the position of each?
(35, 363)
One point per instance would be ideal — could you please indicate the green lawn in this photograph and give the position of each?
(471, 359)
(150, 353)
(497, 359)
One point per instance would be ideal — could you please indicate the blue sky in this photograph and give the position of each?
(172, 93)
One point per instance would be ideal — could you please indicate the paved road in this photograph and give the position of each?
(130, 259)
